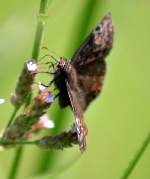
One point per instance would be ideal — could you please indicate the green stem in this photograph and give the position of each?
(15, 165)
(40, 29)
(136, 158)
(23, 142)
(12, 116)
(35, 54)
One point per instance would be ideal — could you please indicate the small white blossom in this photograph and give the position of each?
(46, 122)
(41, 87)
(2, 100)
(31, 66)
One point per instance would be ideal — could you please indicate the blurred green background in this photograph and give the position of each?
(118, 120)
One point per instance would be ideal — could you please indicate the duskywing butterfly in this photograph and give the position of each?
(80, 80)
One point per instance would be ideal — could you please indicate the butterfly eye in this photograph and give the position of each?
(97, 28)
(61, 63)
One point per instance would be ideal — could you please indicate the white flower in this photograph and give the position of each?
(46, 122)
(41, 86)
(2, 100)
(31, 66)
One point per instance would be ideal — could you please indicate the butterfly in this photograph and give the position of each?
(80, 79)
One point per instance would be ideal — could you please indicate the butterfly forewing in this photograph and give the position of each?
(96, 46)
(89, 59)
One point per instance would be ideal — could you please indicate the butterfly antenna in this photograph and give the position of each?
(50, 51)
(56, 61)
(47, 55)
(51, 65)
(44, 48)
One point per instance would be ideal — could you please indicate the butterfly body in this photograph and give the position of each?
(70, 94)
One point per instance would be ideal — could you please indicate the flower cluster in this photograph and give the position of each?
(30, 117)
(34, 117)
(25, 83)
(60, 141)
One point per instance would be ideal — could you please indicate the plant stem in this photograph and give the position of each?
(136, 158)
(15, 165)
(12, 116)
(40, 29)
(35, 54)
(23, 142)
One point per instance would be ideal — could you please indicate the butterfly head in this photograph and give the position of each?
(62, 65)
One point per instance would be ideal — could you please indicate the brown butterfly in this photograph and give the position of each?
(80, 80)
